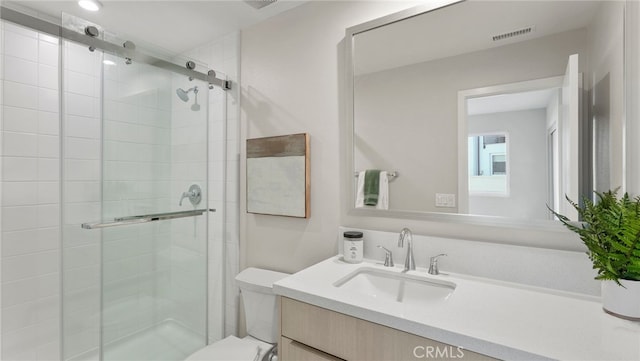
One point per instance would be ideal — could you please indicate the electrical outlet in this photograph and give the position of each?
(445, 200)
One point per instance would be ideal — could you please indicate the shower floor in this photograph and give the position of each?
(168, 341)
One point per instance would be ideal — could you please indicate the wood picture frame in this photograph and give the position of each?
(278, 176)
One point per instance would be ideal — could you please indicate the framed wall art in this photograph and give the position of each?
(278, 175)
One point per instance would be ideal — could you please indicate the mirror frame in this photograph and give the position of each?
(471, 219)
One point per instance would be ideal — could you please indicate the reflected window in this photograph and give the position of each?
(488, 164)
(498, 164)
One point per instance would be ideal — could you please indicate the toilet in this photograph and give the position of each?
(260, 309)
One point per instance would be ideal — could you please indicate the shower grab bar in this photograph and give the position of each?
(145, 218)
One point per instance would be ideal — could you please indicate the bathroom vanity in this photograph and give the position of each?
(314, 333)
(335, 310)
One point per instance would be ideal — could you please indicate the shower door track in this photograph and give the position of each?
(19, 18)
(145, 218)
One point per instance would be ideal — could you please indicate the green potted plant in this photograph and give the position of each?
(610, 229)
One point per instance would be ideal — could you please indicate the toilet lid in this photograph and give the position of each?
(232, 349)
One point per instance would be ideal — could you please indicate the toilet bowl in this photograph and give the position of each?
(256, 290)
(233, 349)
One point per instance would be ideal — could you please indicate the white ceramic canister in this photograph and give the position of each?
(353, 246)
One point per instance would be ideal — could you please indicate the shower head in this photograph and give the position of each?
(182, 94)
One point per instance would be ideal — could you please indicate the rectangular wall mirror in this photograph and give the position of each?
(520, 104)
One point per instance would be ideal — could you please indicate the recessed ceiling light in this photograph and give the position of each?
(108, 62)
(90, 5)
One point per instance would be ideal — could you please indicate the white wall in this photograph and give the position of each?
(632, 92)
(606, 65)
(527, 164)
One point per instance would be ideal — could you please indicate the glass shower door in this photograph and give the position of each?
(154, 274)
(134, 206)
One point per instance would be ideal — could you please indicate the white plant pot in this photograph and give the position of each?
(623, 302)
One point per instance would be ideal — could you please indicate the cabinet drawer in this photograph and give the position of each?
(295, 351)
(381, 343)
(319, 328)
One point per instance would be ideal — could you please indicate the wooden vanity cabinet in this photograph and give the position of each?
(311, 333)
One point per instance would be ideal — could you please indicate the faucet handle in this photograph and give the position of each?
(388, 257)
(194, 194)
(184, 195)
(433, 264)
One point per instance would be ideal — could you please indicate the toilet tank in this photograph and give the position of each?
(260, 309)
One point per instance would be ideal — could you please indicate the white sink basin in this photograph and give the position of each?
(396, 287)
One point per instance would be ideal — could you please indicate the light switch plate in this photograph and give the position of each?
(445, 200)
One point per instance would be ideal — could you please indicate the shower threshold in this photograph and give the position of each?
(167, 341)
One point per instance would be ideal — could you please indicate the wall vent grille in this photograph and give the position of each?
(514, 33)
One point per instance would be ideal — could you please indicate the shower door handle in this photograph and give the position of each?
(145, 218)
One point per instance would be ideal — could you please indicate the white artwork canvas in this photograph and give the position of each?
(278, 175)
(276, 185)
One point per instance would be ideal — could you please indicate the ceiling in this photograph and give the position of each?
(463, 28)
(175, 26)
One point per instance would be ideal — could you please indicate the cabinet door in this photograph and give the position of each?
(295, 351)
(319, 328)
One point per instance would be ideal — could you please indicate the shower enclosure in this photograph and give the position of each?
(134, 205)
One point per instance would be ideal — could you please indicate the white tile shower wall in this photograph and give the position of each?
(30, 197)
(188, 237)
(81, 199)
(138, 270)
(223, 56)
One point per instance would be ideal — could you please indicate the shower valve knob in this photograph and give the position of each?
(194, 194)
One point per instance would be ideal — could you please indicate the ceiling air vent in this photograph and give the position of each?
(259, 4)
(514, 33)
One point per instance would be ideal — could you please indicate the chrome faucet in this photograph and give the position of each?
(409, 263)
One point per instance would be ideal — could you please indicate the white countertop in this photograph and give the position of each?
(499, 319)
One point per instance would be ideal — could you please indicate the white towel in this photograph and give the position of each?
(383, 192)
(360, 190)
